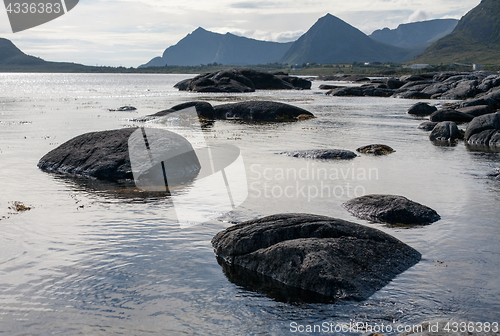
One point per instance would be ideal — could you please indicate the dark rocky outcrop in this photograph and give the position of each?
(390, 209)
(448, 114)
(375, 149)
(241, 80)
(428, 125)
(484, 131)
(322, 154)
(422, 109)
(333, 258)
(261, 111)
(105, 155)
(445, 132)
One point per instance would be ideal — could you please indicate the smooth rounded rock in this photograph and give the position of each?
(390, 209)
(333, 258)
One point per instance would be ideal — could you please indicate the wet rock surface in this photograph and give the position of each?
(287, 256)
(322, 154)
(391, 209)
(427, 125)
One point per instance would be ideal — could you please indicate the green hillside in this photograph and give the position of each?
(476, 39)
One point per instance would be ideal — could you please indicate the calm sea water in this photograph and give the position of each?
(86, 260)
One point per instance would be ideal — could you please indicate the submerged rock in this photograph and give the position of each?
(428, 125)
(484, 131)
(422, 109)
(375, 149)
(390, 209)
(446, 131)
(322, 154)
(307, 253)
(261, 111)
(105, 155)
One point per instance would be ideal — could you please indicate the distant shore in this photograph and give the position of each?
(310, 69)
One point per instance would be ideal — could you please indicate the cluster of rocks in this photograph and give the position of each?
(483, 129)
(242, 80)
(481, 85)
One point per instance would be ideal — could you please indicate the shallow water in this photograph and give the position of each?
(88, 259)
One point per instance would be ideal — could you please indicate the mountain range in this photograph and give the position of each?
(205, 47)
(13, 59)
(476, 39)
(415, 35)
(331, 40)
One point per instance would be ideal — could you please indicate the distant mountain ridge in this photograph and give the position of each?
(476, 38)
(205, 47)
(419, 35)
(331, 40)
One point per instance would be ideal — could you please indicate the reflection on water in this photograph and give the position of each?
(100, 259)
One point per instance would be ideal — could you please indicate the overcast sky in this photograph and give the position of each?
(131, 32)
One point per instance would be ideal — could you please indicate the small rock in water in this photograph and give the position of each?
(375, 149)
(290, 256)
(322, 154)
(422, 109)
(446, 132)
(428, 125)
(390, 209)
(124, 108)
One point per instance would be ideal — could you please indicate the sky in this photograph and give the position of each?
(131, 32)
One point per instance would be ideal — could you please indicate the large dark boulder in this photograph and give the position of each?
(422, 109)
(449, 114)
(412, 94)
(390, 209)
(322, 154)
(105, 155)
(445, 132)
(331, 257)
(241, 80)
(261, 111)
(484, 131)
